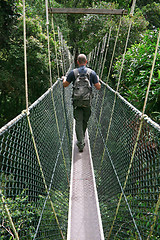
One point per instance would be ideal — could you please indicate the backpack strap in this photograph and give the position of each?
(89, 72)
(76, 72)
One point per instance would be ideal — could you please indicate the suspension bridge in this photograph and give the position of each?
(51, 191)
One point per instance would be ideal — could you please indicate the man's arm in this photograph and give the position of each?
(67, 80)
(98, 84)
(65, 83)
(95, 80)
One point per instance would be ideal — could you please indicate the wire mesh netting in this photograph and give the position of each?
(22, 184)
(111, 152)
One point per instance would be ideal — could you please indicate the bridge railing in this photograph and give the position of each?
(22, 183)
(113, 135)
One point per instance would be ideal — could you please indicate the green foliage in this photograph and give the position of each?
(12, 90)
(152, 14)
(12, 93)
(139, 25)
(141, 3)
(23, 214)
(93, 27)
(8, 18)
(86, 31)
(136, 73)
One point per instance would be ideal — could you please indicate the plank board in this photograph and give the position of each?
(88, 11)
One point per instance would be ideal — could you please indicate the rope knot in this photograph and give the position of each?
(26, 111)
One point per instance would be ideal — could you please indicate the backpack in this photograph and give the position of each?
(82, 90)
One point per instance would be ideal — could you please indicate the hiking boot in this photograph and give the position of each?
(80, 146)
(80, 149)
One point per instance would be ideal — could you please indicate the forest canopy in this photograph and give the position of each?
(82, 33)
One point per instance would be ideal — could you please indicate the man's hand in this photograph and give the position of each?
(98, 85)
(65, 83)
(63, 78)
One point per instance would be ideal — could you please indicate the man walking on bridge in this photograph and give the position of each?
(82, 78)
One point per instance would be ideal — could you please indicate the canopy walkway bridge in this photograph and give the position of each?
(50, 191)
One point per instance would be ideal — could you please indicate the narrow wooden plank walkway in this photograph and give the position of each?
(84, 220)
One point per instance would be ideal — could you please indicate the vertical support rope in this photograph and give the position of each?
(106, 51)
(61, 52)
(114, 49)
(49, 56)
(154, 60)
(63, 102)
(29, 123)
(63, 94)
(30, 127)
(25, 54)
(95, 66)
(43, 177)
(69, 57)
(89, 58)
(9, 216)
(93, 58)
(137, 139)
(55, 46)
(115, 44)
(105, 56)
(102, 53)
(49, 189)
(63, 58)
(26, 87)
(115, 97)
(54, 107)
(114, 169)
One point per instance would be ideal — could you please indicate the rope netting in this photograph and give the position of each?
(21, 179)
(125, 151)
(111, 167)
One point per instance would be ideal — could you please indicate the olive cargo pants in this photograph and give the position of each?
(81, 116)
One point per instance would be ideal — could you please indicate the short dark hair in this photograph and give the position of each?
(82, 58)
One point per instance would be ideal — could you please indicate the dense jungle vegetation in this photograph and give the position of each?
(82, 33)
